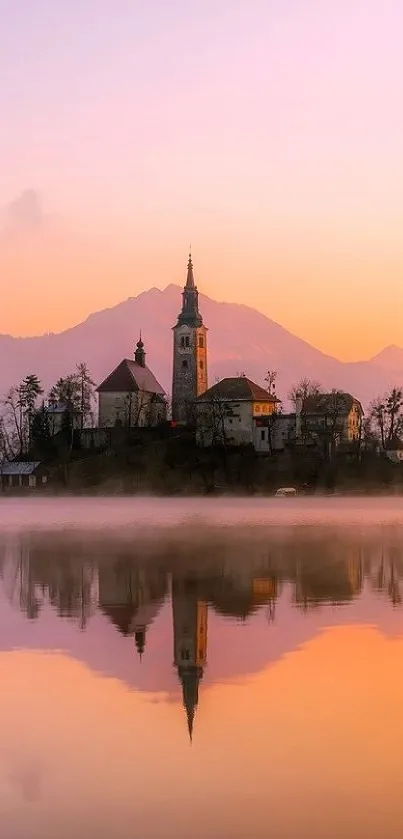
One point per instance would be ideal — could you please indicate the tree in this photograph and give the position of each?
(211, 422)
(333, 405)
(299, 394)
(66, 393)
(13, 421)
(86, 386)
(304, 389)
(30, 389)
(75, 393)
(270, 380)
(41, 435)
(20, 406)
(386, 415)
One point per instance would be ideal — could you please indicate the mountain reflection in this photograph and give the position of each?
(234, 577)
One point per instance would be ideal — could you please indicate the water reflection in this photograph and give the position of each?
(199, 682)
(233, 576)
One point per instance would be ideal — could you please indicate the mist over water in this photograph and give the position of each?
(148, 513)
(205, 668)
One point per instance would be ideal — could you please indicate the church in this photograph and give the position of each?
(131, 396)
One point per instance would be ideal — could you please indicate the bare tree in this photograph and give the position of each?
(86, 386)
(386, 416)
(270, 379)
(304, 389)
(137, 409)
(19, 410)
(328, 424)
(211, 422)
(13, 422)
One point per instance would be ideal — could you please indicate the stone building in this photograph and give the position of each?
(189, 353)
(131, 395)
(233, 412)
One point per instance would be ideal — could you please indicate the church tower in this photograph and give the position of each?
(189, 353)
(190, 642)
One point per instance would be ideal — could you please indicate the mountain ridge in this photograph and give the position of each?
(240, 339)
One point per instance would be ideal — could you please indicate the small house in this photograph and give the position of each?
(18, 474)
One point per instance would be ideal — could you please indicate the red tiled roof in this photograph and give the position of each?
(130, 377)
(237, 389)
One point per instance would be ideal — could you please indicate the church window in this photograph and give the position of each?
(185, 655)
(201, 342)
(201, 365)
(182, 341)
(187, 341)
(184, 364)
(263, 434)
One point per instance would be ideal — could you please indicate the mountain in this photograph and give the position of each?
(390, 359)
(241, 339)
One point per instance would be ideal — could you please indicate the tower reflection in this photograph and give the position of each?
(190, 613)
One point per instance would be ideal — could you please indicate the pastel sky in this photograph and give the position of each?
(268, 133)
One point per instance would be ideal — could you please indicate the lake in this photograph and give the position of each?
(192, 668)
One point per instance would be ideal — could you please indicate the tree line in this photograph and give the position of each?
(28, 417)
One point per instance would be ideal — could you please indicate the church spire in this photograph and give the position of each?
(190, 282)
(190, 314)
(140, 640)
(190, 677)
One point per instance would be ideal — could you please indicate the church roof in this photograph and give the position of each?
(130, 377)
(237, 389)
(129, 618)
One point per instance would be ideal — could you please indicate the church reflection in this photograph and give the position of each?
(131, 595)
(129, 586)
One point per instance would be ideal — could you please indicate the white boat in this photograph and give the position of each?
(286, 492)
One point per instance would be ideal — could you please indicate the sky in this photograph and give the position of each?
(266, 133)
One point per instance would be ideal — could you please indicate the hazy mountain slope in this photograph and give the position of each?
(240, 340)
(390, 359)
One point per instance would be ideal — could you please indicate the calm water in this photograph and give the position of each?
(189, 669)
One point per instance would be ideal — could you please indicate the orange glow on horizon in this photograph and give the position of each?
(63, 278)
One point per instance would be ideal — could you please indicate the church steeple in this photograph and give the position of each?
(189, 378)
(190, 314)
(190, 678)
(190, 281)
(140, 355)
